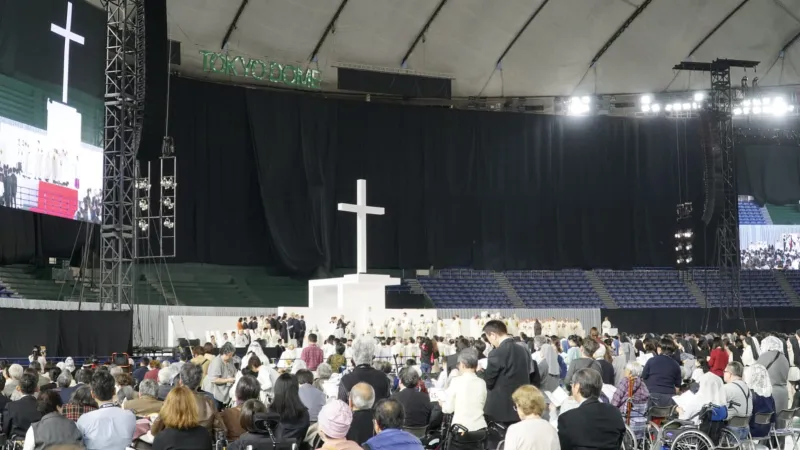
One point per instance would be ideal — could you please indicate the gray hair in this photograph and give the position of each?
(148, 387)
(115, 370)
(736, 368)
(589, 382)
(539, 341)
(165, 376)
(363, 350)
(227, 349)
(191, 376)
(324, 371)
(634, 368)
(469, 358)
(64, 380)
(126, 393)
(359, 399)
(16, 371)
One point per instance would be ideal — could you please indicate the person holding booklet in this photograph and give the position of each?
(711, 391)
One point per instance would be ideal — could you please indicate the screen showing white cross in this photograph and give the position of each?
(68, 36)
(361, 209)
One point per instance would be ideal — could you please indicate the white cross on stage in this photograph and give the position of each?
(361, 209)
(68, 36)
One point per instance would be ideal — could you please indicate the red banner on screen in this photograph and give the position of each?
(56, 200)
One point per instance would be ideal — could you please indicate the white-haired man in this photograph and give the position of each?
(13, 376)
(363, 354)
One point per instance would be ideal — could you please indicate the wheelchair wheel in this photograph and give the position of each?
(629, 439)
(728, 440)
(692, 440)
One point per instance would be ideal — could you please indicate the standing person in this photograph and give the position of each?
(20, 414)
(606, 326)
(467, 408)
(312, 354)
(662, 375)
(778, 368)
(363, 354)
(718, 360)
(221, 375)
(507, 368)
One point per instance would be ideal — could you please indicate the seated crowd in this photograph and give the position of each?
(530, 393)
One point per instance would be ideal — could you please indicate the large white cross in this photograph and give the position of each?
(68, 36)
(361, 209)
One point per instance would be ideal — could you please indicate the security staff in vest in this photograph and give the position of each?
(53, 429)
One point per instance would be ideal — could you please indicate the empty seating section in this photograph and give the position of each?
(756, 288)
(647, 288)
(403, 287)
(557, 289)
(464, 288)
(752, 214)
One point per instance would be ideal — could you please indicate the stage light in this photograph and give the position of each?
(143, 225)
(756, 102)
(694, 105)
(143, 205)
(686, 106)
(689, 260)
(746, 103)
(737, 111)
(576, 106)
(699, 96)
(766, 109)
(656, 107)
(766, 100)
(668, 107)
(169, 223)
(678, 248)
(586, 99)
(746, 110)
(790, 108)
(756, 110)
(677, 235)
(688, 247)
(645, 107)
(646, 99)
(676, 106)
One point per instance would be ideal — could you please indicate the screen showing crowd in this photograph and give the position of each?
(51, 107)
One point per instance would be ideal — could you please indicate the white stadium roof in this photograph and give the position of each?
(551, 57)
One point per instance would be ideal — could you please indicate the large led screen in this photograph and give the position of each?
(51, 106)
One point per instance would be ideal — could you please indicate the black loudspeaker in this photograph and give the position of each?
(157, 60)
(712, 175)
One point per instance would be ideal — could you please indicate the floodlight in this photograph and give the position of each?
(656, 107)
(668, 107)
(694, 105)
(746, 103)
(686, 106)
(698, 96)
(756, 102)
(645, 107)
(586, 99)
(746, 110)
(676, 106)
(646, 99)
(766, 101)
(756, 110)
(790, 108)
(737, 111)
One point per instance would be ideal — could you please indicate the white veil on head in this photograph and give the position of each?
(711, 390)
(757, 377)
(771, 343)
(254, 350)
(549, 355)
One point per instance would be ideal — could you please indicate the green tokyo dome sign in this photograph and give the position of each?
(239, 66)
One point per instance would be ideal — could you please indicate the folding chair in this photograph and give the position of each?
(419, 432)
(762, 419)
(784, 421)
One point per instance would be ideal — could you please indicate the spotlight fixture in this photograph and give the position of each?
(646, 99)
(656, 107)
(579, 105)
(699, 96)
(775, 106)
(645, 107)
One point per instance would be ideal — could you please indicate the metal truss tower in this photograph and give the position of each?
(720, 103)
(124, 103)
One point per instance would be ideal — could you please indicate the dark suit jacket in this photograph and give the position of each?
(361, 429)
(593, 425)
(417, 406)
(19, 415)
(508, 368)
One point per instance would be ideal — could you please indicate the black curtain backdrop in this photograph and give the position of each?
(679, 320)
(29, 237)
(769, 173)
(264, 172)
(65, 333)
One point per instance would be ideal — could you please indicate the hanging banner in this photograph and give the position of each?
(275, 72)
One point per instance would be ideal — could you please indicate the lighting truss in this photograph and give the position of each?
(124, 101)
(156, 214)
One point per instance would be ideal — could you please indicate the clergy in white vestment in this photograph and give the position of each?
(241, 340)
(455, 327)
(419, 329)
(441, 330)
(393, 328)
(266, 374)
(412, 350)
(328, 349)
(398, 349)
(606, 326)
(407, 326)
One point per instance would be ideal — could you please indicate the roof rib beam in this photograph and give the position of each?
(782, 52)
(233, 24)
(619, 32)
(716, 28)
(422, 32)
(519, 33)
(328, 30)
